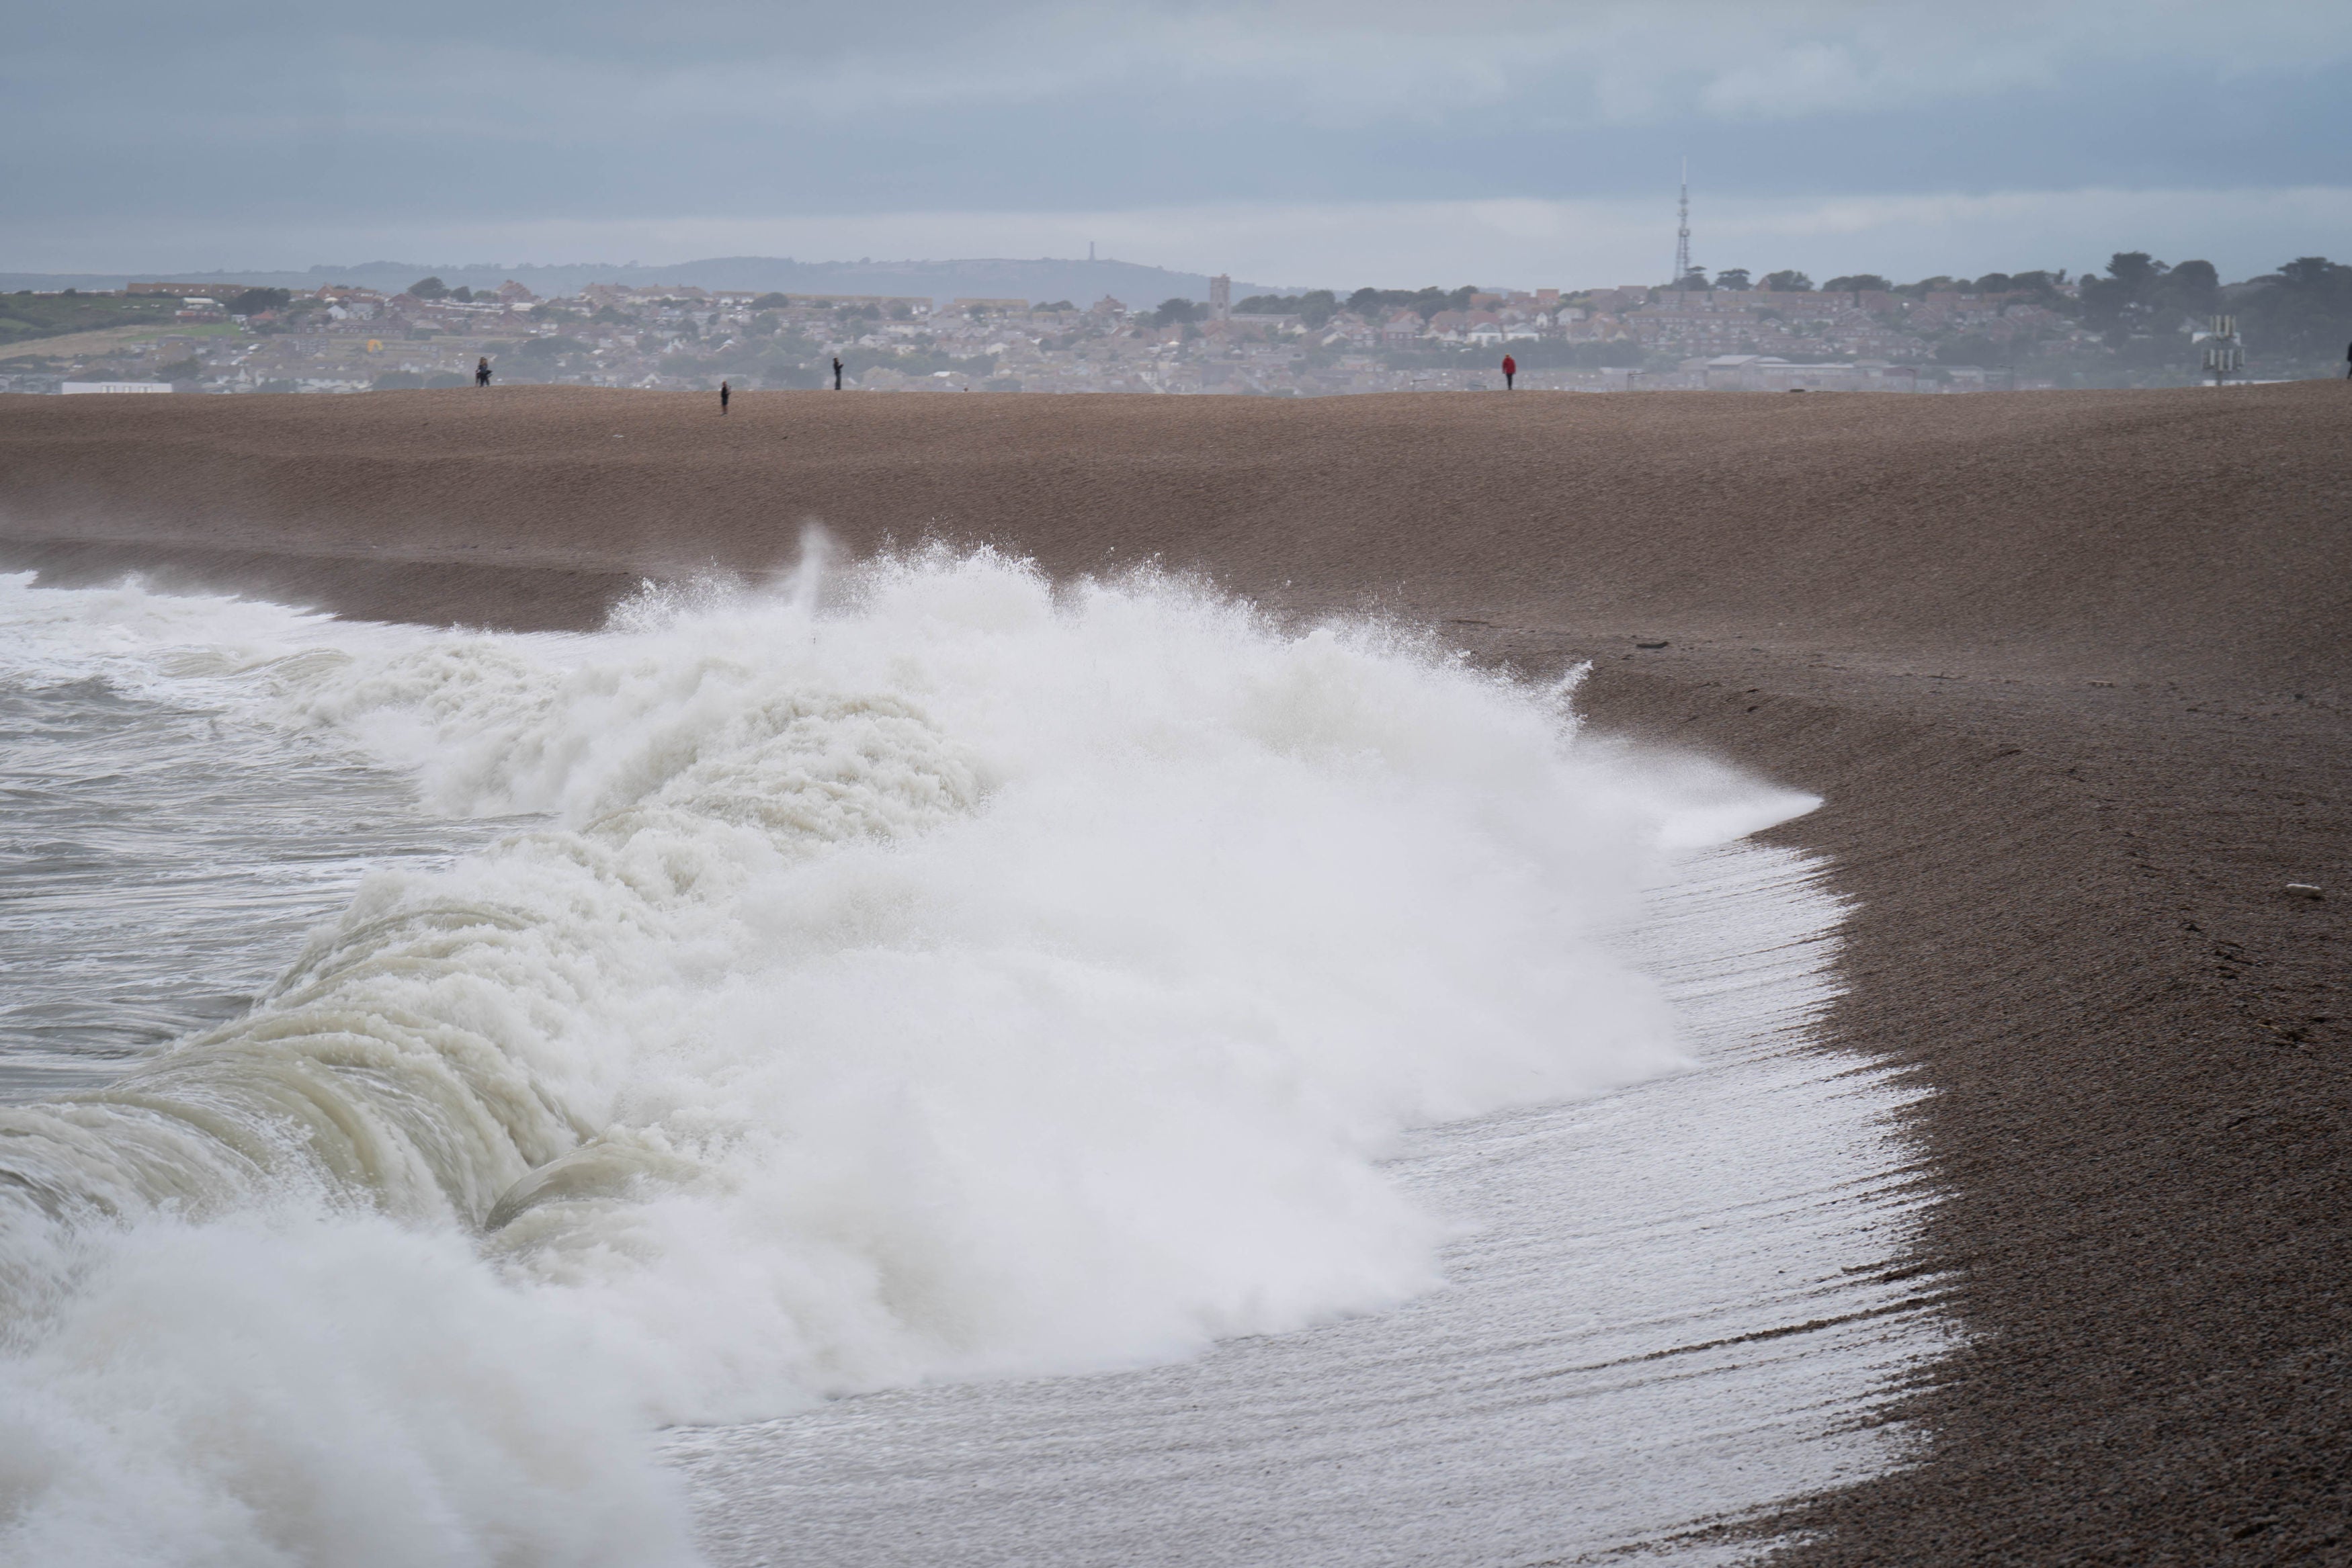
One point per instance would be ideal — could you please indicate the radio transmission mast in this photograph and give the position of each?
(1682, 233)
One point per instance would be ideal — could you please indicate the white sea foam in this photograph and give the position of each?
(956, 979)
(291, 1388)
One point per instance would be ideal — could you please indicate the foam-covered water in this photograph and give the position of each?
(1660, 1318)
(159, 865)
(932, 979)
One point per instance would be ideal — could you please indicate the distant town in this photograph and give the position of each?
(2141, 322)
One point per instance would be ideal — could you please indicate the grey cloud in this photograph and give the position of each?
(1727, 55)
(435, 111)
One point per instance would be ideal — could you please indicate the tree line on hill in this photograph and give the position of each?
(1316, 306)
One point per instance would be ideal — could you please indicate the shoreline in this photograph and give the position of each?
(2067, 669)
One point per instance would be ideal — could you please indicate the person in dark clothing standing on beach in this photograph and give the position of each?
(722, 397)
(2347, 361)
(1510, 372)
(836, 372)
(482, 372)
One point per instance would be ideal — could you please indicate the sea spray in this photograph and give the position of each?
(290, 1386)
(961, 977)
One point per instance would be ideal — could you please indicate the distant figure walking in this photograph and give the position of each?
(1510, 372)
(722, 397)
(2347, 361)
(836, 372)
(482, 372)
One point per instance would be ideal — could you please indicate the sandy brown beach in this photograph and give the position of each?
(2068, 668)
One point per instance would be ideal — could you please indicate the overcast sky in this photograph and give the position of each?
(1297, 141)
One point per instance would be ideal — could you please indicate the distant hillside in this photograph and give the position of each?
(1081, 282)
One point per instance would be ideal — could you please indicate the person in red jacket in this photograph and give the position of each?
(1510, 371)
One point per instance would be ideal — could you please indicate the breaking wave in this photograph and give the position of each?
(922, 974)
